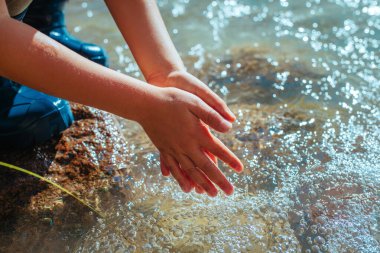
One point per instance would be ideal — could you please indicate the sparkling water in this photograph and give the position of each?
(303, 79)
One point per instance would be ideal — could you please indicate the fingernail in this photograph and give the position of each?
(232, 114)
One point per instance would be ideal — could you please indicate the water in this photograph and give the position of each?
(303, 79)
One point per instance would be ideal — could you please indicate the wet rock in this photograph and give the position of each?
(83, 159)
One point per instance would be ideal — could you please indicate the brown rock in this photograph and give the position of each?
(83, 159)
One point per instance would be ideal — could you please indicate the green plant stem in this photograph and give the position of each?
(13, 167)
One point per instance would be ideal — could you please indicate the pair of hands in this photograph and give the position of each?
(177, 123)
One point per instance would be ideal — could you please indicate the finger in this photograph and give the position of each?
(164, 168)
(197, 176)
(199, 189)
(181, 178)
(212, 157)
(212, 171)
(191, 182)
(220, 150)
(201, 90)
(209, 116)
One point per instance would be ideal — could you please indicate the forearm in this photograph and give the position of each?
(33, 59)
(141, 24)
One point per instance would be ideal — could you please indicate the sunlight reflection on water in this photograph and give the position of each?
(303, 79)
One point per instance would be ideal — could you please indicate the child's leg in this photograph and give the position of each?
(28, 116)
(47, 16)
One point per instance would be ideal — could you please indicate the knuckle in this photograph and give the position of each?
(174, 95)
(211, 118)
(172, 92)
(197, 102)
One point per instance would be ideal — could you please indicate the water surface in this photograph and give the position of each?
(303, 80)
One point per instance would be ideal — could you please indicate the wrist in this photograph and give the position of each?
(151, 102)
(163, 78)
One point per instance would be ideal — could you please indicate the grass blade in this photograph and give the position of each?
(13, 167)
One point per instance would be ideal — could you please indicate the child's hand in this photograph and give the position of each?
(185, 81)
(173, 121)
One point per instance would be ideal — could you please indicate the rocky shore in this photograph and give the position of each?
(84, 159)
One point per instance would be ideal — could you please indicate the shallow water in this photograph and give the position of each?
(303, 80)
